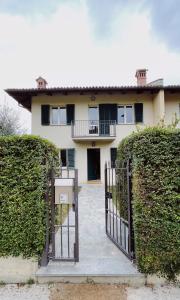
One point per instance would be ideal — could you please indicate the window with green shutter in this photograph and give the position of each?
(67, 158)
(71, 158)
(45, 114)
(113, 157)
(70, 113)
(138, 107)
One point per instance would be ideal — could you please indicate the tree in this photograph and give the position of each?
(9, 121)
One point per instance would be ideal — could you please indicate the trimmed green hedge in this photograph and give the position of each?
(24, 164)
(155, 154)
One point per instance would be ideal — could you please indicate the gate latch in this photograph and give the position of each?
(109, 195)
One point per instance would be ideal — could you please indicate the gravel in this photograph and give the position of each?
(157, 293)
(26, 292)
(86, 292)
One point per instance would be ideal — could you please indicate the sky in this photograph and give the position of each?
(86, 43)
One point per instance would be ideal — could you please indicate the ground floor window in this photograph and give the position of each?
(113, 157)
(67, 157)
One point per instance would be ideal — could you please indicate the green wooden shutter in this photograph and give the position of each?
(113, 157)
(113, 109)
(70, 113)
(108, 112)
(71, 158)
(138, 112)
(45, 114)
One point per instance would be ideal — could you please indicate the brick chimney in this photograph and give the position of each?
(41, 83)
(141, 77)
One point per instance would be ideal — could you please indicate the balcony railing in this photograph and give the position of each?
(88, 129)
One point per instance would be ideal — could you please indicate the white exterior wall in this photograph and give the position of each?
(60, 135)
(172, 107)
(17, 269)
(159, 107)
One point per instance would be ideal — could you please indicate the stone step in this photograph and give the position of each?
(130, 280)
(91, 270)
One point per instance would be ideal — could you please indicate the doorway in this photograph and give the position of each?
(93, 164)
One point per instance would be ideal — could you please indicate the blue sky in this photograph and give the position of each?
(87, 42)
(29, 7)
(164, 14)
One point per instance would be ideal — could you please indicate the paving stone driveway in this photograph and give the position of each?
(96, 249)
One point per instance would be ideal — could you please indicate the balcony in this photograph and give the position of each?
(84, 130)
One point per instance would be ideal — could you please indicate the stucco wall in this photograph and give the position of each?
(172, 107)
(158, 107)
(61, 135)
(17, 269)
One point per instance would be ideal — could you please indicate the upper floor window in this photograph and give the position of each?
(93, 113)
(58, 115)
(125, 114)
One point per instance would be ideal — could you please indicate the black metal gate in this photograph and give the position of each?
(62, 237)
(118, 208)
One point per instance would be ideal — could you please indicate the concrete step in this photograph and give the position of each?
(91, 271)
(130, 280)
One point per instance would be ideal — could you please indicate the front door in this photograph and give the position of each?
(93, 161)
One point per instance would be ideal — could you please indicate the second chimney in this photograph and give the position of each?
(141, 77)
(41, 83)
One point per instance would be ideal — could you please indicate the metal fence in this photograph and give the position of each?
(118, 208)
(62, 238)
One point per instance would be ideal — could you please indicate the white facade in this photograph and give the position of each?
(156, 106)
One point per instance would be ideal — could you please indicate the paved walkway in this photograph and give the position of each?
(98, 255)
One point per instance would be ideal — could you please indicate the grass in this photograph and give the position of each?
(30, 281)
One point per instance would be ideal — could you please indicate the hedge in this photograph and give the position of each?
(24, 164)
(155, 156)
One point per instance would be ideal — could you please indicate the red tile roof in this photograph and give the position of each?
(24, 96)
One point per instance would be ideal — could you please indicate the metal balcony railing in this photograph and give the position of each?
(84, 128)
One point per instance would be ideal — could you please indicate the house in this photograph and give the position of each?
(87, 123)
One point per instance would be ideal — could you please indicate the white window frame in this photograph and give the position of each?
(133, 116)
(67, 162)
(59, 121)
(96, 122)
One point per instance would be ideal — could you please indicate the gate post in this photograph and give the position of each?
(106, 199)
(53, 212)
(45, 256)
(130, 212)
(76, 246)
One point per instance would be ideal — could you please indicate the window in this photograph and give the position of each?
(125, 114)
(93, 119)
(63, 158)
(58, 115)
(55, 117)
(93, 113)
(67, 158)
(113, 157)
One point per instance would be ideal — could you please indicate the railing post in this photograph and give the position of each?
(72, 129)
